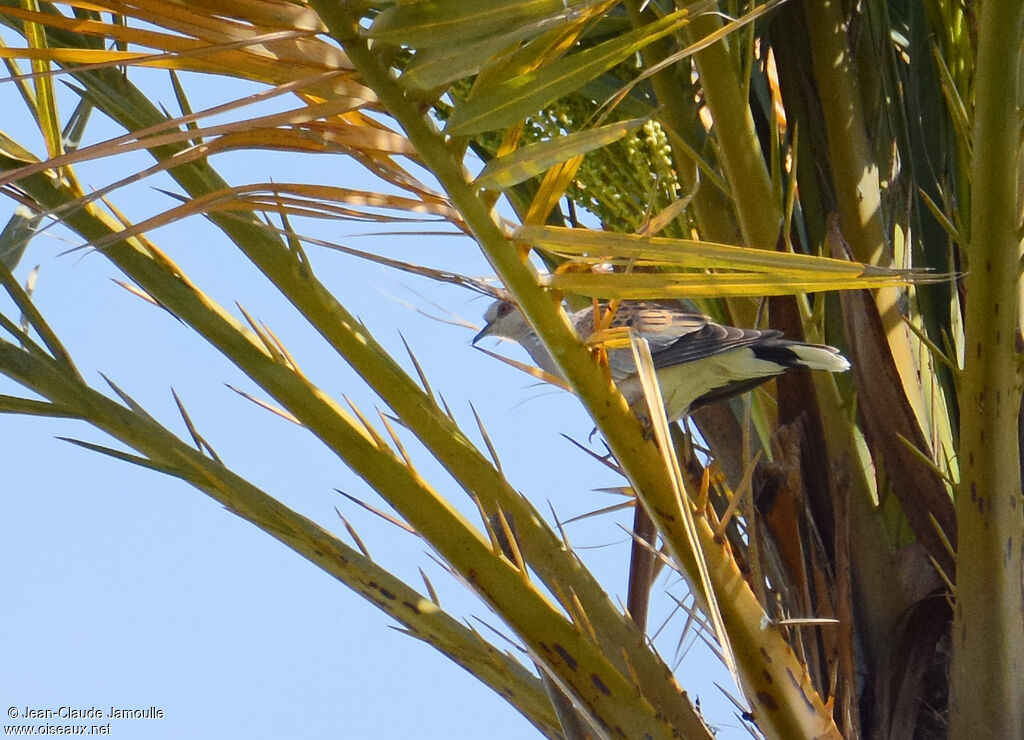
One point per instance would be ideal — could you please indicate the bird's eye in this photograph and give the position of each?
(504, 309)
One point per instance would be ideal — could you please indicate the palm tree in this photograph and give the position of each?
(750, 158)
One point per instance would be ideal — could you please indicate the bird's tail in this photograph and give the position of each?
(820, 357)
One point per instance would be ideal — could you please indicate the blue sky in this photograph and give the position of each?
(129, 589)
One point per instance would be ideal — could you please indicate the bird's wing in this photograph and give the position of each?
(676, 337)
(710, 339)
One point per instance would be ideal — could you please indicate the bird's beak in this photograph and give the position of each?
(485, 332)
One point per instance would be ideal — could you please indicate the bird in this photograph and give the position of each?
(697, 361)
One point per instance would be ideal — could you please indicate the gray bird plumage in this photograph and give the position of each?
(697, 361)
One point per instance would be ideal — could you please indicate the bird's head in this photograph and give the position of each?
(503, 319)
